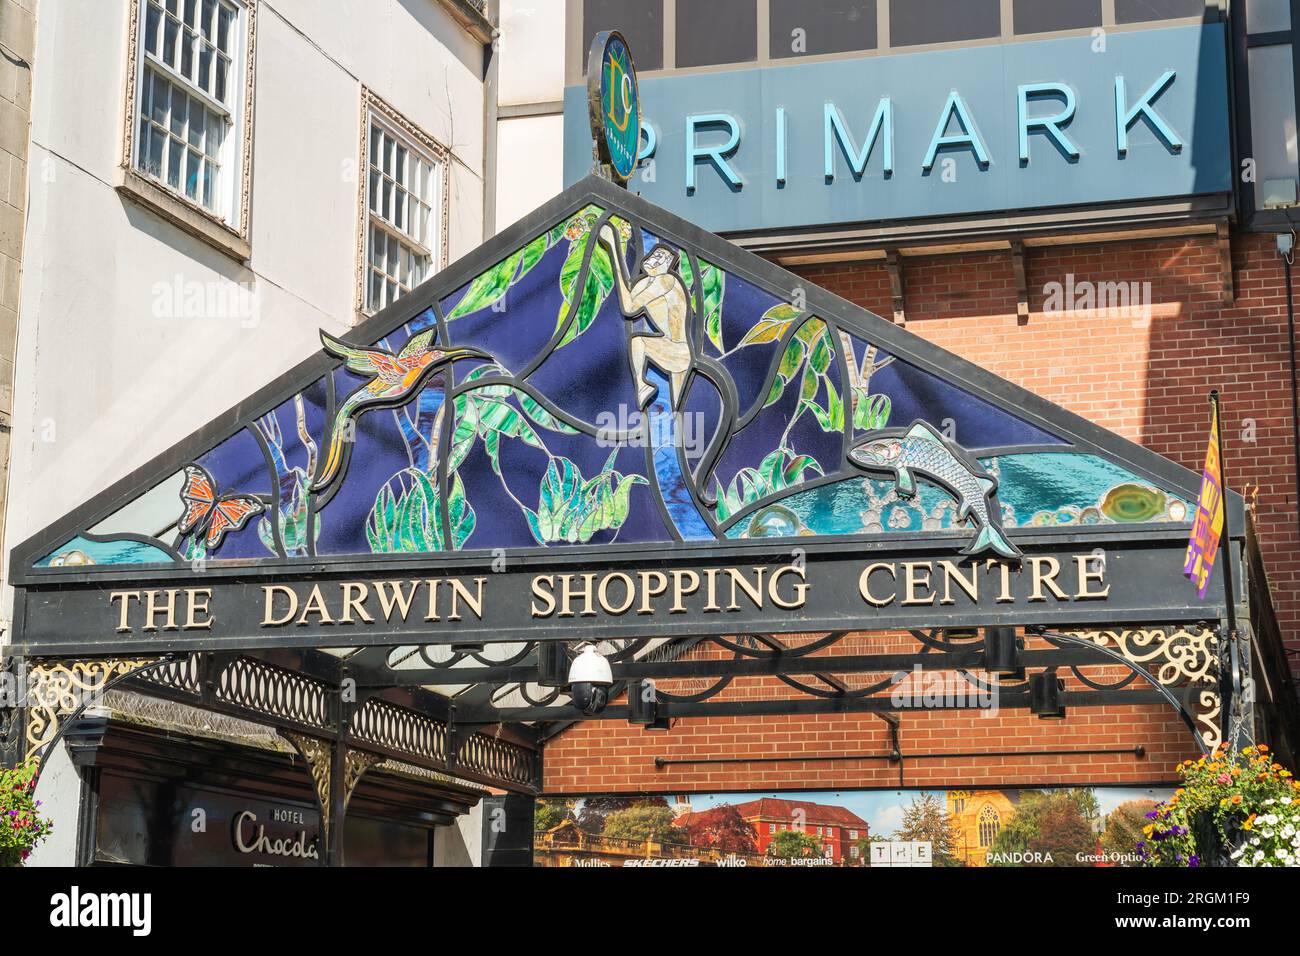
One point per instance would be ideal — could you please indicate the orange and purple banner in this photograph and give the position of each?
(1203, 546)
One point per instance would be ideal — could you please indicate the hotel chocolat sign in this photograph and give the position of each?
(630, 593)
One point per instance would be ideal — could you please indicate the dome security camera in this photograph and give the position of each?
(590, 679)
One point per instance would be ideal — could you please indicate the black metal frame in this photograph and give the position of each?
(1241, 42)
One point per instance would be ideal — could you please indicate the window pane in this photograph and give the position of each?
(152, 20)
(1268, 16)
(1138, 11)
(187, 54)
(216, 133)
(223, 29)
(641, 21)
(223, 70)
(161, 97)
(204, 78)
(1272, 116)
(143, 147)
(179, 101)
(942, 21)
(198, 123)
(171, 37)
(1044, 16)
(193, 174)
(720, 31)
(834, 26)
(174, 154)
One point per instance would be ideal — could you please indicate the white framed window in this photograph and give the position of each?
(404, 206)
(190, 101)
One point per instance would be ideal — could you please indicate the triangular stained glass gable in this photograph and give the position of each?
(602, 373)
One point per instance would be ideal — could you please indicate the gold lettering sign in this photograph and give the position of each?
(395, 604)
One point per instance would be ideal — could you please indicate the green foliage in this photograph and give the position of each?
(1235, 806)
(600, 280)
(571, 508)
(550, 812)
(1124, 826)
(778, 471)
(793, 844)
(926, 818)
(1056, 823)
(490, 286)
(407, 519)
(772, 325)
(644, 821)
(22, 827)
(293, 522)
(870, 412)
(581, 233)
(712, 282)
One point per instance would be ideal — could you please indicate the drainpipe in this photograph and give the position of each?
(491, 73)
(1285, 246)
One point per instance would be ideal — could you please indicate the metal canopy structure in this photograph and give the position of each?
(609, 426)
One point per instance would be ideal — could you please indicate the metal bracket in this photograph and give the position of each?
(1223, 239)
(897, 289)
(60, 691)
(1022, 290)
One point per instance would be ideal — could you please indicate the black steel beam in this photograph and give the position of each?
(1007, 700)
(772, 666)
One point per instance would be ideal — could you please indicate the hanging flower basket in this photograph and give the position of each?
(1235, 808)
(22, 828)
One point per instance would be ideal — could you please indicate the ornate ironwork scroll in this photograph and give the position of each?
(57, 690)
(1177, 656)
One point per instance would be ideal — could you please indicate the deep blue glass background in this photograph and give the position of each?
(590, 379)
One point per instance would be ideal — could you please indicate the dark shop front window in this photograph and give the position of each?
(1140, 11)
(799, 28)
(641, 21)
(1045, 16)
(1266, 90)
(913, 22)
(716, 31)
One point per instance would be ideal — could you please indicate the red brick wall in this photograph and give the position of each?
(1144, 378)
(1147, 381)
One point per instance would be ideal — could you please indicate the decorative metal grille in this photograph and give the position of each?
(259, 687)
(498, 758)
(398, 729)
(181, 674)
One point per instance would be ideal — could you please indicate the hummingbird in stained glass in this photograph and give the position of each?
(396, 379)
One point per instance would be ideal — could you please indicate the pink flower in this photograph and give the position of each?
(1223, 778)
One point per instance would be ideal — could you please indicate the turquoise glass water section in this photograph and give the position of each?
(81, 551)
(1041, 489)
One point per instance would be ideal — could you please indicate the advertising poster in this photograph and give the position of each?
(1086, 826)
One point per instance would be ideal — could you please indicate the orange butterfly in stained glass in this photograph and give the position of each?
(206, 511)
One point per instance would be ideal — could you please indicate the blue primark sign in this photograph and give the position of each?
(1077, 120)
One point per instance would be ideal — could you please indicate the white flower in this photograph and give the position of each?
(1259, 855)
